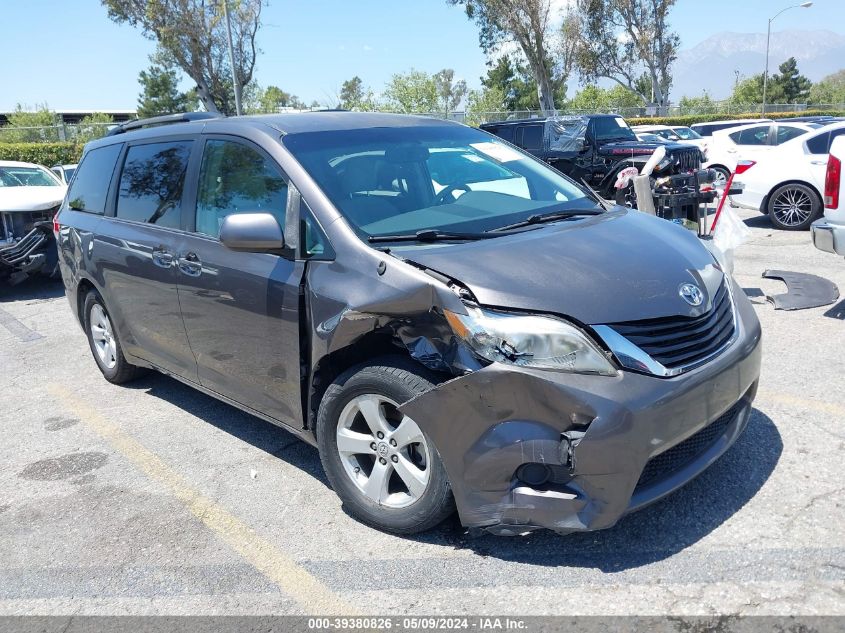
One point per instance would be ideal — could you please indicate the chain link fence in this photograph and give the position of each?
(73, 132)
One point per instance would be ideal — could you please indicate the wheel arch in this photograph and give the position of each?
(366, 349)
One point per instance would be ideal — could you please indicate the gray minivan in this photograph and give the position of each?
(450, 321)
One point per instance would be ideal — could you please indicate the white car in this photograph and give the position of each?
(749, 142)
(64, 172)
(787, 182)
(829, 231)
(674, 133)
(705, 130)
(30, 195)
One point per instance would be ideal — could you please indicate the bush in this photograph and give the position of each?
(47, 154)
(689, 119)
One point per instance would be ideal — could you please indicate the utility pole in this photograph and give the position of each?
(235, 82)
(803, 5)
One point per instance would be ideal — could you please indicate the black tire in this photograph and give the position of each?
(723, 171)
(121, 372)
(790, 219)
(399, 380)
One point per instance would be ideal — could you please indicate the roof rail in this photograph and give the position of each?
(164, 119)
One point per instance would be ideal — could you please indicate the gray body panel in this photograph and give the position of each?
(268, 332)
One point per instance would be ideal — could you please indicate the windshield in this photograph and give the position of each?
(686, 133)
(27, 177)
(609, 128)
(389, 181)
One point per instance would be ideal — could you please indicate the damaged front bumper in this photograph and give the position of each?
(35, 252)
(598, 446)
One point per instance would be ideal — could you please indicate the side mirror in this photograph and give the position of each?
(252, 233)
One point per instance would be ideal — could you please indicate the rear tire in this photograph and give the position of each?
(104, 344)
(400, 486)
(794, 207)
(724, 175)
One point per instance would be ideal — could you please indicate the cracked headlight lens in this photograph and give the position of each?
(529, 340)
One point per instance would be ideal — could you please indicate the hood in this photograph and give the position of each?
(639, 148)
(619, 266)
(30, 198)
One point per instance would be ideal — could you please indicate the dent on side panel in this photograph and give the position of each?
(349, 301)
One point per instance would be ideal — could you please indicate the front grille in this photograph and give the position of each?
(682, 341)
(681, 454)
(687, 160)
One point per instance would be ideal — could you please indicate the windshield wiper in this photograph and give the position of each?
(541, 218)
(432, 235)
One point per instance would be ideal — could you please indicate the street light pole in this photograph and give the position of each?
(235, 82)
(803, 5)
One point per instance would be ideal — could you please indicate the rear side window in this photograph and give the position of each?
(787, 133)
(821, 143)
(752, 136)
(235, 178)
(151, 183)
(531, 137)
(505, 132)
(90, 187)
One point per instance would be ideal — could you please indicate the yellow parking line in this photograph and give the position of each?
(803, 403)
(292, 579)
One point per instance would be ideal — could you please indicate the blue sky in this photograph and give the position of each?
(68, 54)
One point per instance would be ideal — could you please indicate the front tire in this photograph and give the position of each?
(104, 344)
(384, 468)
(794, 207)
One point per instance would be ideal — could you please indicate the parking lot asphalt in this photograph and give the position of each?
(153, 498)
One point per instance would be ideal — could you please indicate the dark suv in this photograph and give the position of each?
(593, 148)
(450, 321)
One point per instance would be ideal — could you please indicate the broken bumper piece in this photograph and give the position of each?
(527, 449)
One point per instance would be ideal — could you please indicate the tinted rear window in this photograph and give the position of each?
(821, 143)
(151, 183)
(90, 187)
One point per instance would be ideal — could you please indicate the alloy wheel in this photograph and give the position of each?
(103, 336)
(383, 452)
(792, 207)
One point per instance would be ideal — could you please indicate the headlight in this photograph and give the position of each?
(529, 341)
(663, 164)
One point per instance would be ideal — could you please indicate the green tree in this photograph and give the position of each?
(749, 91)
(414, 91)
(26, 125)
(616, 38)
(702, 104)
(192, 35)
(517, 84)
(793, 86)
(484, 105)
(160, 92)
(528, 24)
(352, 93)
(274, 99)
(830, 89)
(449, 92)
(595, 99)
(93, 126)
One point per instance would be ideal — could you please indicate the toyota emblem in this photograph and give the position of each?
(691, 294)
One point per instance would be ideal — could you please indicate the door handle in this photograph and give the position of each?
(818, 162)
(162, 258)
(190, 265)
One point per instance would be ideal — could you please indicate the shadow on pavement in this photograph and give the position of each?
(263, 435)
(761, 221)
(32, 289)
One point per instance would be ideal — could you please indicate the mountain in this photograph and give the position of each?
(711, 65)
